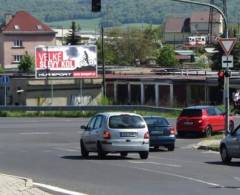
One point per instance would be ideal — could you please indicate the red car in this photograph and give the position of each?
(202, 119)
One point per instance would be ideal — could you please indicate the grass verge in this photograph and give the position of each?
(73, 114)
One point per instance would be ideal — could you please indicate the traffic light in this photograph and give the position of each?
(96, 5)
(221, 79)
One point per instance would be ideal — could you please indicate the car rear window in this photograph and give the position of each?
(126, 122)
(156, 121)
(191, 112)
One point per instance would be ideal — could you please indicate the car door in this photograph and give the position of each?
(233, 143)
(97, 131)
(220, 119)
(88, 134)
(212, 118)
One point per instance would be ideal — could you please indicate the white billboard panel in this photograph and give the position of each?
(78, 61)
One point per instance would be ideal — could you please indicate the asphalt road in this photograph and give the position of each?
(47, 150)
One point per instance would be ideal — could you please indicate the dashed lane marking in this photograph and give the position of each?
(34, 133)
(155, 163)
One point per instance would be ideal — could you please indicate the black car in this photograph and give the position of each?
(161, 132)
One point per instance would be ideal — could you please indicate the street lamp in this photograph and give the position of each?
(226, 85)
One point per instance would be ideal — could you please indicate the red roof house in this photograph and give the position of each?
(19, 34)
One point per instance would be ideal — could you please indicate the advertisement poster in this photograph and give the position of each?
(66, 61)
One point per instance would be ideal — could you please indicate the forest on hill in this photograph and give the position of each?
(114, 12)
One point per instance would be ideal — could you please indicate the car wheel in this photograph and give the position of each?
(123, 154)
(171, 147)
(100, 152)
(208, 131)
(224, 155)
(143, 155)
(84, 151)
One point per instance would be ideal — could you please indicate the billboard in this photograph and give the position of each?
(78, 61)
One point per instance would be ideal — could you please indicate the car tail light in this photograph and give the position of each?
(200, 121)
(106, 134)
(172, 131)
(146, 135)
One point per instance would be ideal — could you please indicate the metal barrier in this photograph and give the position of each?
(90, 108)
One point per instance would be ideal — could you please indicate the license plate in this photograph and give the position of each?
(128, 134)
(188, 123)
(156, 132)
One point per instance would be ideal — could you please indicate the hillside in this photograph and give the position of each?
(114, 12)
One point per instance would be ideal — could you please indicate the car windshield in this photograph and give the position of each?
(126, 122)
(191, 112)
(156, 121)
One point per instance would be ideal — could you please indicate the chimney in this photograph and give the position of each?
(8, 17)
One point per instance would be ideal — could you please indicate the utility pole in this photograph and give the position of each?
(103, 63)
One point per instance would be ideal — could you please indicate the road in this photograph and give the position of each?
(47, 150)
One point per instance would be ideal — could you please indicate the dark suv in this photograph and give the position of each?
(202, 119)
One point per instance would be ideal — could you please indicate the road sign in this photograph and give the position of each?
(227, 44)
(227, 61)
(4, 80)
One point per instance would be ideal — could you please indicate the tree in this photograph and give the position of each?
(124, 46)
(72, 38)
(167, 57)
(26, 63)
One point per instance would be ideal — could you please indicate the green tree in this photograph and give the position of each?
(26, 63)
(1, 69)
(72, 38)
(124, 46)
(167, 57)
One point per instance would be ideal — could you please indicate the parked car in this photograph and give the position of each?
(115, 133)
(202, 119)
(230, 146)
(161, 132)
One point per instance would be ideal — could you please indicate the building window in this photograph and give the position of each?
(39, 27)
(17, 58)
(17, 43)
(16, 27)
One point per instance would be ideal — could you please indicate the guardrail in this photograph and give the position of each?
(90, 108)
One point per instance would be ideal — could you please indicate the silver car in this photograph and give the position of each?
(113, 132)
(230, 146)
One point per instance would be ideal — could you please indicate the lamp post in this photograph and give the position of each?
(226, 83)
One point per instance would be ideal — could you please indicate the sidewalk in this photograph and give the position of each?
(12, 185)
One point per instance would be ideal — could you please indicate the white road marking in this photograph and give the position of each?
(67, 149)
(57, 189)
(210, 152)
(237, 178)
(166, 173)
(155, 163)
(34, 133)
(179, 176)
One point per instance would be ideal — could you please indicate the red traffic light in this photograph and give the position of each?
(221, 73)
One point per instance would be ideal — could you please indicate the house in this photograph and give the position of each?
(200, 24)
(19, 34)
(176, 30)
(193, 31)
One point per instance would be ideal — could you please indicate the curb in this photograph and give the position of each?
(28, 182)
(208, 145)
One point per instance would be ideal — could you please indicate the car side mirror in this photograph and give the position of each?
(84, 127)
